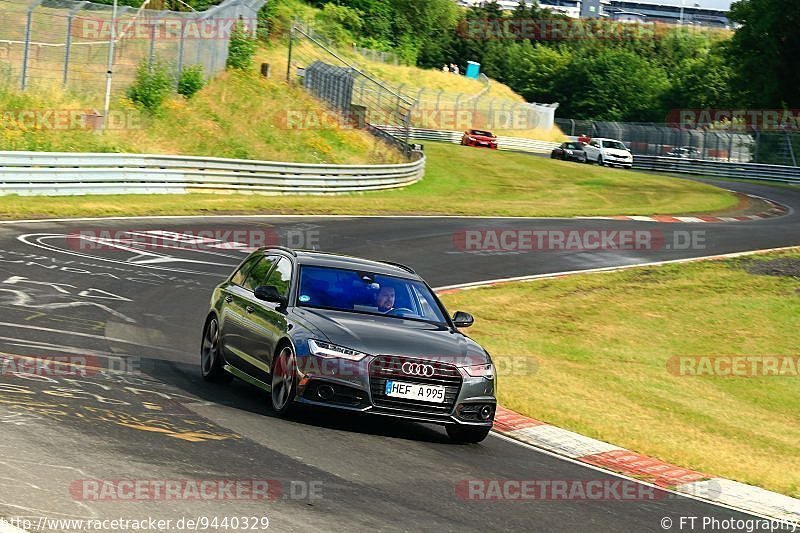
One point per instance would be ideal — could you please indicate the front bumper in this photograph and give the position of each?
(623, 161)
(364, 393)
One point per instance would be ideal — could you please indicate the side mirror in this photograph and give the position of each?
(269, 293)
(462, 319)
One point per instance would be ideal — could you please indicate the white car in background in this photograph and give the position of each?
(608, 152)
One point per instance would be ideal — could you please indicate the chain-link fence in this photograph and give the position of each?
(740, 145)
(67, 42)
(378, 56)
(363, 101)
(441, 109)
(482, 110)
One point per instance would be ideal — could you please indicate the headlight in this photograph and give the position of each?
(569, 152)
(326, 349)
(480, 371)
(472, 138)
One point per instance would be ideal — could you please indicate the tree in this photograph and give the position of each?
(419, 24)
(765, 51)
(612, 84)
(702, 82)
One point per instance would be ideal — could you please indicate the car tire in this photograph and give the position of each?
(600, 160)
(283, 379)
(467, 434)
(211, 364)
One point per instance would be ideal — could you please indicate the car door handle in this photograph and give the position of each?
(249, 309)
(229, 299)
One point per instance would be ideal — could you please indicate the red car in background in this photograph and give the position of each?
(479, 138)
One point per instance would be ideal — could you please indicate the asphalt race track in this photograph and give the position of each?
(140, 310)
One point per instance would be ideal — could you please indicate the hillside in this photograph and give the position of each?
(238, 115)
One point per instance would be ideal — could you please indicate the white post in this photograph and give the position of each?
(110, 66)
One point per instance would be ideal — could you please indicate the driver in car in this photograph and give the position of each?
(385, 299)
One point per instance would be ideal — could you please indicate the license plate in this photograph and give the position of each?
(413, 391)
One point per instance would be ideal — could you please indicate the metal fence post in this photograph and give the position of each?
(110, 65)
(758, 143)
(181, 44)
(70, 20)
(791, 148)
(151, 54)
(289, 59)
(27, 51)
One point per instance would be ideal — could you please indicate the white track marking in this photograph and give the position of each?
(534, 277)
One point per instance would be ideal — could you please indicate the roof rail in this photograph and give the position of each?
(284, 248)
(400, 265)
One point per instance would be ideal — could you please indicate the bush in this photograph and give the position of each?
(242, 48)
(191, 80)
(151, 86)
(339, 23)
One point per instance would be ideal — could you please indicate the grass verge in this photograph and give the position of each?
(237, 115)
(602, 346)
(459, 181)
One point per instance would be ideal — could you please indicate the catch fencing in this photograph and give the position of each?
(718, 169)
(67, 42)
(421, 107)
(674, 165)
(57, 174)
(333, 79)
(378, 56)
(733, 145)
(512, 144)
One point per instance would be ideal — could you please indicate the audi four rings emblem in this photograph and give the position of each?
(418, 369)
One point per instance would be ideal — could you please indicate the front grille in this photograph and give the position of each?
(386, 368)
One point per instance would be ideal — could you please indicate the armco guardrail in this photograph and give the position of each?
(57, 173)
(718, 169)
(516, 144)
(697, 167)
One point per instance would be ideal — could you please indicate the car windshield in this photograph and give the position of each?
(358, 291)
(481, 133)
(614, 144)
(573, 146)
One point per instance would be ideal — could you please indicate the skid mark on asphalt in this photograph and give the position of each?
(96, 399)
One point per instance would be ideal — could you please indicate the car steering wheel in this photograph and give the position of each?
(400, 309)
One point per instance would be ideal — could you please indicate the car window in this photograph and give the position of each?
(258, 274)
(425, 305)
(241, 274)
(364, 292)
(614, 144)
(281, 277)
(594, 143)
